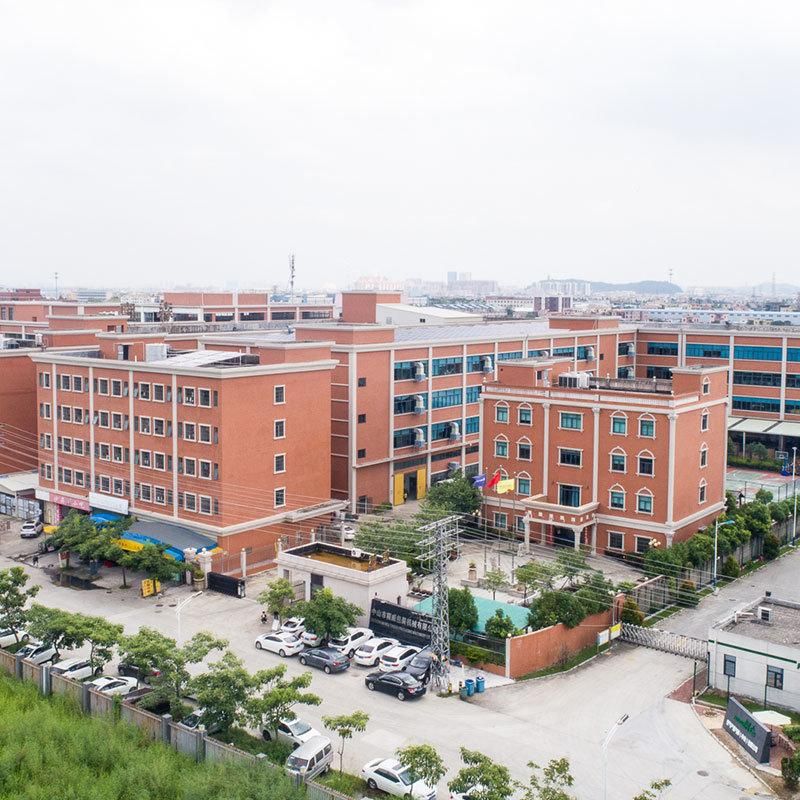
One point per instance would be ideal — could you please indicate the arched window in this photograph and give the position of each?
(524, 414)
(524, 449)
(501, 446)
(618, 460)
(644, 501)
(704, 417)
(645, 463)
(501, 411)
(619, 423)
(703, 455)
(524, 484)
(702, 491)
(706, 385)
(616, 497)
(647, 426)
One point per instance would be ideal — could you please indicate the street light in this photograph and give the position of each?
(180, 608)
(716, 536)
(794, 490)
(606, 742)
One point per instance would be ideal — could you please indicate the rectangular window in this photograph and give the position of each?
(569, 458)
(642, 544)
(116, 421)
(500, 520)
(524, 486)
(501, 413)
(446, 398)
(204, 434)
(662, 348)
(473, 394)
(280, 498)
(511, 355)
(118, 487)
(501, 449)
(158, 392)
(407, 437)
(659, 373)
(280, 462)
(205, 504)
(704, 350)
(158, 427)
(645, 465)
(280, 428)
(768, 404)
(144, 391)
(190, 467)
(524, 415)
(616, 540)
(44, 380)
(77, 415)
(571, 421)
(447, 366)
(147, 492)
(410, 370)
(105, 484)
(476, 363)
(45, 410)
(362, 418)
(189, 432)
(159, 461)
(190, 501)
(189, 396)
(755, 353)
(116, 388)
(117, 453)
(160, 496)
(102, 385)
(524, 451)
(473, 425)
(146, 459)
(704, 422)
(204, 398)
(644, 503)
(361, 452)
(702, 493)
(569, 495)
(205, 469)
(144, 425)
(617, 500)
(362, 382)
(758, 378)
(410, 403)
(703, 458)
(104, 419)
(774, 677)
(618, 462)
(104, 452)
(65, 382)
(647, 428)
(66, 414)
(279, 395)
(729, 666)
(625, 349)
(619, 425)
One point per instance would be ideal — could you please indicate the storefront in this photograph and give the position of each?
(17, 495)
(57, 505)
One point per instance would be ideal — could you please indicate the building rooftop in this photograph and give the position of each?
(350, 558)
(783, 626)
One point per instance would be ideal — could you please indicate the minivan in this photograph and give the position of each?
(310, 759)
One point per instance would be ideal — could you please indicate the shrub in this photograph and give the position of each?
(764, 496)
(731, 569)
(790, 769)
(475, 654)
(687, 594)
(500, 626)
(631, 613)
(771, 546)
(550, 608)
(793, 732)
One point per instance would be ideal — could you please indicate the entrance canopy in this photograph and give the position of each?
(18, 483)
(753, 425)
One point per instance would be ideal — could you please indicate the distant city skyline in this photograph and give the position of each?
(198, 142)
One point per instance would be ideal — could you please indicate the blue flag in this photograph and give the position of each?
(479, 481)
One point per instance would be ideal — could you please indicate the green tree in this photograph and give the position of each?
(456, 495)
(102, 637)
(550, 782)
(631, 613)
(150, 650)
(596, 593)
(731, 568)
(14, 599)
(495, 579)
(653, 792)
(73, 531)
(277, 597)
(345, 725)
(276, 697)
(571, 563)
(222, 690)
(763, 496)
(772, 547)
(423, 763)
(758, 451)
(482, 778)
(103, 545)
(500, 626)
(550, 608)
(327, 615)
(536, 575)
(731, 502)
(790, 770)
(61, 629)
(462, 610)
(151, 560)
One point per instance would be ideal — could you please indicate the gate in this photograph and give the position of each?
(666, 641)
(226, 584)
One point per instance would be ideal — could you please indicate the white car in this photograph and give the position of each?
(31, 528)
(37, 652)
(295, 625)
(311, 639)
(389, 775)
(109, 684)
(351, 641)
(369, 654)
(293, 732)
(396, 658)
(280, 642)
(7, 638)
(75, 668)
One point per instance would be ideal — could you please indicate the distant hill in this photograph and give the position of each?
(640, 287)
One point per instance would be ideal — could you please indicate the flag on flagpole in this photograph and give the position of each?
(479, 481)
(504, 486)
(495, 479)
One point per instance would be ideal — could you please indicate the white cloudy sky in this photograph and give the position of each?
(167, 141)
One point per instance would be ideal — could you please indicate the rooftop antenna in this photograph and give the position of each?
(291, 277)
(56, 283)
(774, 292)
(670, 274)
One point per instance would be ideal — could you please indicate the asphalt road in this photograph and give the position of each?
(566, 715)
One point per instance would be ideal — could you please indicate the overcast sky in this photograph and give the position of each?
(168, 142)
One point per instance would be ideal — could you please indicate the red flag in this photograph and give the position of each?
(494, 480)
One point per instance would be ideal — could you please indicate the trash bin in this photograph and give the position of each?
(462, 693)
(469, 685)
(480, 684)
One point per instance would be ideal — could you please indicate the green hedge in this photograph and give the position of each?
(768, 465)
(476, 654)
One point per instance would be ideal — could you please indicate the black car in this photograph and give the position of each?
(400, 684)
(132, 671)
(325, 658)
(420, 666)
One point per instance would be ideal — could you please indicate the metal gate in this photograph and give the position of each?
(666, 641)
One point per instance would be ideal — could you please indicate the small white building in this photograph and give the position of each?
(755, 652)
(353, 574)
(401, 314)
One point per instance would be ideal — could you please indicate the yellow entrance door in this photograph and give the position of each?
(397, 499)
(422, 483)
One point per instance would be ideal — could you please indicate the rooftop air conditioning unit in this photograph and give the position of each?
(155, 352)
(419, 371)
(486, 364)
(574, 380)
(764, 614)
(419, 404)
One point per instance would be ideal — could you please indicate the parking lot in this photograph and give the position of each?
(565, 715)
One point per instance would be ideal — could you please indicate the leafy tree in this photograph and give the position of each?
(222, 690)
(277, 697)
(278, 596)
(345, 725)
(399, 538)
(571, 563)
(631, 613)
(536, 575)
(731, 502)
(550, 608)
(731, 568)
(101, 636)
(462, 610)
(151, 650)
(103, 545)
(151, 560)
(495, 579)
(73, 531)
(772, 546)
(500, 626)
(758, 451)
(482, 778)
(14, 598)
(327, 615)
(763, 496)
(596, 593)
(62, 629)
(550, 782)
(653, 792)
(422, 762)
(456, 495)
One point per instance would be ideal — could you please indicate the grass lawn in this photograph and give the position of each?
(720, 699)
(276, 752)
(563, 666)
(663, 614)
(344, 782)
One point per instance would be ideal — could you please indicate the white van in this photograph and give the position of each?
(310, 759)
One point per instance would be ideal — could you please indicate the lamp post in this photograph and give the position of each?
(606, 742)
(794, 492)
(180, 608)
(716, 537)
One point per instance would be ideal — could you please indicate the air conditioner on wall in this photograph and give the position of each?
(419, 404)
(486, 364)
(419, 437)
(455, 431)
(419, 371)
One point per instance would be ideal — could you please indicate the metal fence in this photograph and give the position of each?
(665, 641)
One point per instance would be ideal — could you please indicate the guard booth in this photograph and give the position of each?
(226, 584)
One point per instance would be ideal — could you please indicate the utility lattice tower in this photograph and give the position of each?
(440, 538)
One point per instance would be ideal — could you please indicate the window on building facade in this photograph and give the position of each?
(524, 415)
(523, 485)
(280, 428)
(644, 503)
(702, 492)
(447, 366)
(524, 451)
(704, 421)
(280, 462)
(774, 677)
(501, 448)
(619, 425)
(501, 412)
(569, 458)
(571, 421)
(642, 544)
(500, 520)
(616, 499)
(280, 498)
(703, 457)
(645, 463)
(279, 395)
(616, 540)
(729, 666)
(569, 495)
(618, 461)
(647, 427)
